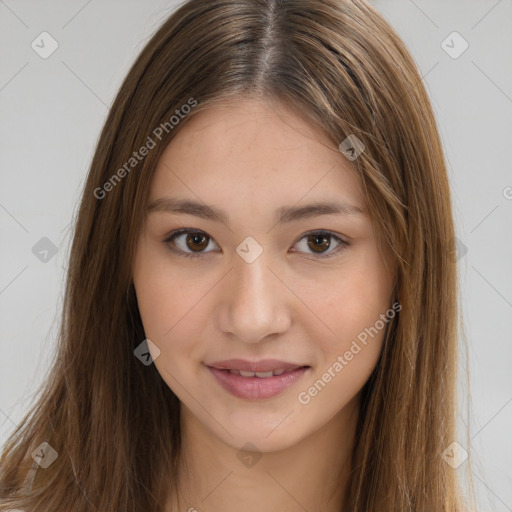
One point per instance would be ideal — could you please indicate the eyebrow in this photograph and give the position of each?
(284, 214)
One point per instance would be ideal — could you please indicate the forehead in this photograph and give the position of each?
(245, 124)
(251, 149)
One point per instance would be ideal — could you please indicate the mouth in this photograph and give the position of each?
(256, 380)
(262, 375)
(263, 366)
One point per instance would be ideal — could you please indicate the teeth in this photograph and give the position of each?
(264, 375)
(261, 375)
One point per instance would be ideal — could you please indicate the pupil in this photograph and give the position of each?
(319, 239)
(195, 238)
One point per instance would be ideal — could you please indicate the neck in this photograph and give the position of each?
(310, 475)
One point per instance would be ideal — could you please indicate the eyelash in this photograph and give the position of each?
(168, 239)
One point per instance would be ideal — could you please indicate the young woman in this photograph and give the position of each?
(261, 306)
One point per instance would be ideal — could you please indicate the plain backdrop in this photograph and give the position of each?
(51, 113)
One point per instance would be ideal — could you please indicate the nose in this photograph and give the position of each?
(254, 303)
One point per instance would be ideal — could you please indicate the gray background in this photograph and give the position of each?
(51, 113)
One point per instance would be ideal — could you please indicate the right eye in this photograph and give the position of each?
(187, 238)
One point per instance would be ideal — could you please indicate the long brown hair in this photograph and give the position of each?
(113, 421)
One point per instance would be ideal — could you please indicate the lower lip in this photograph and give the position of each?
(256, 387)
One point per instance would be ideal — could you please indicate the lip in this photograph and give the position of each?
(264, 365)
(256, 387)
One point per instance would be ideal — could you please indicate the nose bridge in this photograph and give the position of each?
(254, 302)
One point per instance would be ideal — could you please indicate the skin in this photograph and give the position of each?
(249, 158)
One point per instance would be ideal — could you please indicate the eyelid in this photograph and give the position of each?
(168, 238)
(343, 244)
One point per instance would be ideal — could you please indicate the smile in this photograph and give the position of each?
(261, 375)
(262, 381)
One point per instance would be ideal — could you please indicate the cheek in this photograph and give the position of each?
(356, 316)
(350, 302)
(168, 305)
(160, 295)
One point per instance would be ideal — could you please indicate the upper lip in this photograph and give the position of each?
(264, 365)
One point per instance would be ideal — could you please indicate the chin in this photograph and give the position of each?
(253, 439)
(269, 433)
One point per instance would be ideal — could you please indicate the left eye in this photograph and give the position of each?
(197, 241)
(320, 242)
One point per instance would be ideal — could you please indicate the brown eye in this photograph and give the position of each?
(188, 243)
(197, 241)
(319, 242)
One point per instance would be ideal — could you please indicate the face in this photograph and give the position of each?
(251, 279)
